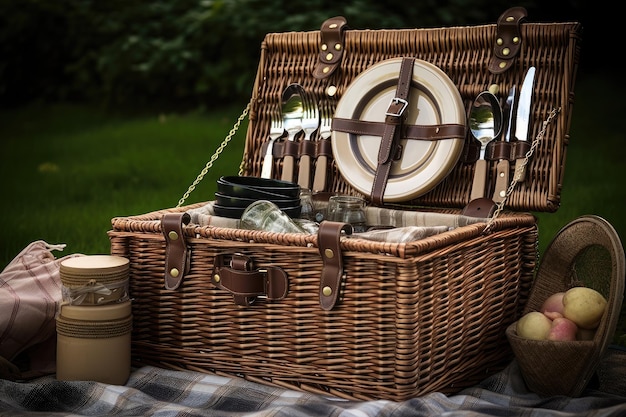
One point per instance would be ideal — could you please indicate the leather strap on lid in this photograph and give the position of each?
(328, 239)
(395, 115)
(238, 275)
(331, 47)
(508, 40)
(176, 253)
(416, 132)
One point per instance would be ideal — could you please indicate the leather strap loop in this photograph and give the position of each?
(238, 275)
(508, 40)
(416, 132)
(331, 47)
(308, 147)
(324, 147)
(176, 253)
(328, 239)
(391, 135)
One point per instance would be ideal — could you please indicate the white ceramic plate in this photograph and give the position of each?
(433, 99)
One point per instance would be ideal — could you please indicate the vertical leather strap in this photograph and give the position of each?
(176, 253)
(331, 47)
(508, 40)
(391, 134)
(328, 241)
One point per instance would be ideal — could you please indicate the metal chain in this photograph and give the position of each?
(215, 155)
(538, 139)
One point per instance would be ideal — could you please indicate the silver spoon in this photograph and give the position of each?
(485, 123)
(293, 111)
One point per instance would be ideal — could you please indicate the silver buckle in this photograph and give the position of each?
(397, 100)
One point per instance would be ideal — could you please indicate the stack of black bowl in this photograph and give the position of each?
(235, 193)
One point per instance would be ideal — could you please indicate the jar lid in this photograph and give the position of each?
(101, 268)
(96, 313)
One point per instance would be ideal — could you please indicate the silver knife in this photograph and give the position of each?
(502, 168)
(522, 122)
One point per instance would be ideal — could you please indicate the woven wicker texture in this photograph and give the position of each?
(412, 318)
(463, 53)
(586, 252)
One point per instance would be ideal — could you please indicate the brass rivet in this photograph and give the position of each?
(337, 47)
(502, 64)
(216, 278)
(329, 56)
(499, 41)
(331, 91)
(326, 69)
(502, 193)
(173, 235)
(174, 272)
(502, 175)
(327, 291)
(506, 51)
(332, 25)
(510, 19)
(324, 47)
(329, 253)
(516, 39)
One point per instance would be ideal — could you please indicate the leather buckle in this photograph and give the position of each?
(394, 103)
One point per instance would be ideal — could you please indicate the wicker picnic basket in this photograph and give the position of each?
(405, 318)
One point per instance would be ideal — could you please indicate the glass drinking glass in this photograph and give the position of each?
(265, 215)
(348, 209)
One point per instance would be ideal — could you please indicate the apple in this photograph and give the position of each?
(553, 306)
(533, 325)
(562, 329)
(584, 306)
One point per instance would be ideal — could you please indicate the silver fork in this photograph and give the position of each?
(277, 130)
(324, 132)
(310, 123)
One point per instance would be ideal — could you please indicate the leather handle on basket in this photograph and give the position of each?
(328, 238)
(331, 47)
(508, 40)
(238, 275)
(176, 253)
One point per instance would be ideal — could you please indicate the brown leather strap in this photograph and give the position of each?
(482, 207)
(391, 135)
(508, 40)
(507, 150)
(417, 132)
(176, 253)
(238, 275)
(324, 147)
(328, 239)
(307, 147)
(331, 47)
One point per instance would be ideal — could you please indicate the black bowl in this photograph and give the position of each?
(236, 212)
(230, 201)
(257, 188)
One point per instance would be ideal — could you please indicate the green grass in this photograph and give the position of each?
(67, 171)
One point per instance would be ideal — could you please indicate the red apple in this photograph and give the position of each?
(552, 307)
(562, 329)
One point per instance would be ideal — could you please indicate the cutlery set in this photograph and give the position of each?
(489, 121)
(300, 116)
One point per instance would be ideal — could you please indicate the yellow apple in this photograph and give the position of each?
(584, 306)
(533, 325)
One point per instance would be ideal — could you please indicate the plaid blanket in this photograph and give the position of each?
(153, 391)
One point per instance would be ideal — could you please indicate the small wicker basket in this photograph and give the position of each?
(586, 252)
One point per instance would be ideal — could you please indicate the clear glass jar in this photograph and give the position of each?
(348, 209)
